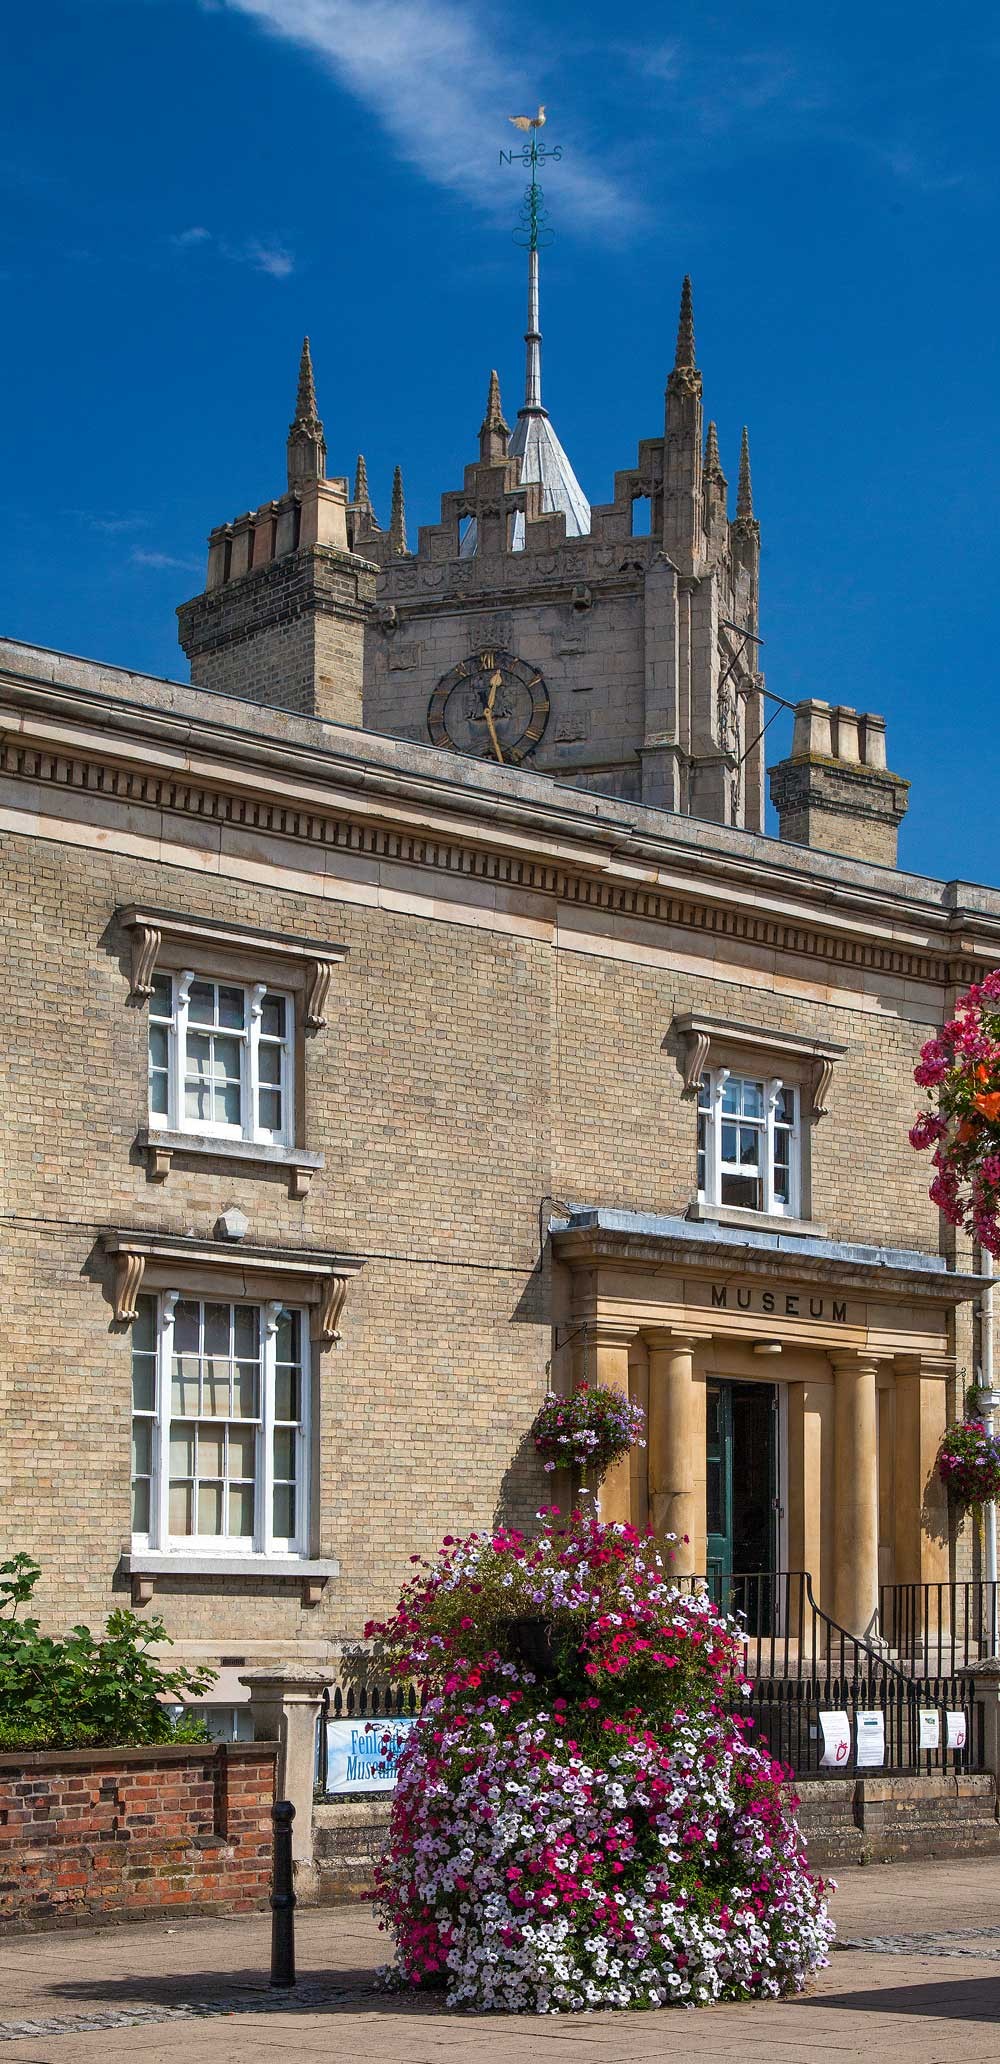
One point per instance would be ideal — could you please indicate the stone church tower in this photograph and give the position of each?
(622, 653)
(530, 628)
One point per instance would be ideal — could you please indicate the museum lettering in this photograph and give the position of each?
(783, 1304)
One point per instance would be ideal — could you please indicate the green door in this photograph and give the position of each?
(741, 1489)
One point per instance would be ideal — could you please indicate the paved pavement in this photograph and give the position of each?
(915, 1976)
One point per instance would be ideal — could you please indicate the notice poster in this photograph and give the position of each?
(836, 1732)
(956, 1734)
(871, 1741)
(362, 1755)
(930, 1727)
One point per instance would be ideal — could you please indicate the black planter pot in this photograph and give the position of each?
(531, 1644)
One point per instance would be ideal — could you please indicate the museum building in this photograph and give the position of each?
(411, 1013)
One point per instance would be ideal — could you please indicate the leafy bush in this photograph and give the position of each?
(81, 1692)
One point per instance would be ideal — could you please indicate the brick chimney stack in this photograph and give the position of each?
(834, 790)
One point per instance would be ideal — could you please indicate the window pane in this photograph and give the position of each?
(201, 1004)
(272, 1017)
(749, 1146)
(227, 1059)
(161, 1002)
(269, 1064)
(182, 1450)
(284, 1512)
(142, 1447)
(211, 1451)
(729, 1142)
(217, 1329)
(286, 1345)
(784, 1108)
(180, 1508)
(186, 1315)
(209, 1508)
(742, 1190)
(246, 1330)
(731, 1094)
(140, 1506)
(159, 1094)
(144, 1326)
(286, 1393)
(184, 1384)
(242, 1451)
(284, 1452)
(231, 1006)
(143, 1383)
(781, 1185)
(215, 1390)
(245, 1405)
(704, 1092)
(269, 1118)
(753, 1099)
(241, 1506)
(159, 1046)
(227, 1103)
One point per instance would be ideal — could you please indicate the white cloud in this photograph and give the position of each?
(434, 76)
(160, 561)
(265, 255)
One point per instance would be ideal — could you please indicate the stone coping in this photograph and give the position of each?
(591, 1232)
(136, 1753)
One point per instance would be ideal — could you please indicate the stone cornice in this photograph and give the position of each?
(364, 794)
(625, 1240)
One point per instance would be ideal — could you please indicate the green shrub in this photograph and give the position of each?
(81, 1692)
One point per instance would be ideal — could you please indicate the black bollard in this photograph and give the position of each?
(282, 1896)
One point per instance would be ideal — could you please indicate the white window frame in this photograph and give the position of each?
(249, 1036)
(710, 1193)
(264, 1542)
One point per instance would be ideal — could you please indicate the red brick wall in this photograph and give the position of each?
(87, 1834)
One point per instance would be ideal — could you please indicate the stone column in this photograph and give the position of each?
(285, 1700)
(604, 1360)
(855, 1490)
(810, 1485)
(921, 1501)
(671, 1444)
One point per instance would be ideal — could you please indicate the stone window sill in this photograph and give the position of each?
(755, 1221)
(161, 1146)
(146, 1565)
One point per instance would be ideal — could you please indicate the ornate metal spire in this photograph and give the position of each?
(744, 492)
(713, 463)
(306, 443)
(397, 521)
(493, 431)
(685, 328)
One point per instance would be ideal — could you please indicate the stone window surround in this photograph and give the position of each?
(170, 939)
(147, 1262)
(812, 1062)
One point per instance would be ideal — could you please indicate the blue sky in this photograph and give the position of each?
(188, 185)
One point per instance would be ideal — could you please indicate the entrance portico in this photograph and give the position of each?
(848, 1347)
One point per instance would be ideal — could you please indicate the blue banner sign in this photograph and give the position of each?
(362, 1755)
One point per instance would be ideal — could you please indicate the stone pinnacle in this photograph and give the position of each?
(713, 463)
(685, 327)
(397, 521)
(744, 492)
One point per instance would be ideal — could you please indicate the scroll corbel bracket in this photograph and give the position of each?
(822, 1078)
(129, 1270)
(146, 940)
(317, 992)
(696, 1046)
(326, 1320)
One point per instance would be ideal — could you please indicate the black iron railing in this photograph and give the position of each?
(802, 1663)
(935, 1629)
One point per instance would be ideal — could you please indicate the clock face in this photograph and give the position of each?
(492, 705)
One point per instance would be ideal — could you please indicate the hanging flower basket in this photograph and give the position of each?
(589, 1430)
(969, 1463)
(961, 1069)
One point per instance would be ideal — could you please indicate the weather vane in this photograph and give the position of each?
(533, 229)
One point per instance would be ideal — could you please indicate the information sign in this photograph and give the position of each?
(362, 1755)
(871, 1741)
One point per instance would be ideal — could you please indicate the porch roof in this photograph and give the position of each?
(592, 1234)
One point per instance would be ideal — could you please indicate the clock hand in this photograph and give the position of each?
(488, 714)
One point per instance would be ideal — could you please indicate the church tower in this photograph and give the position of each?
(283, 613)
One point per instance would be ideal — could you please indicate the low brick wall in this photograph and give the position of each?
(880, 1818)
(121, 1834)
